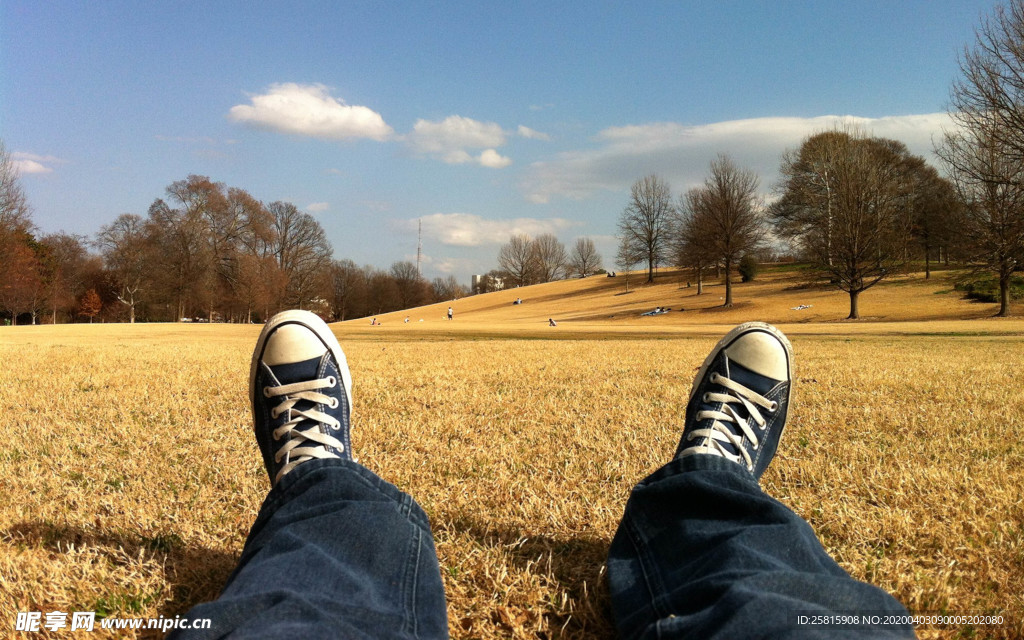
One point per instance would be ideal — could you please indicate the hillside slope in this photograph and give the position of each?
(776, 297)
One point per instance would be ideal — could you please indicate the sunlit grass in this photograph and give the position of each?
(131, 475)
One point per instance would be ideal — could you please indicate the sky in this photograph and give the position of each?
(476, 119)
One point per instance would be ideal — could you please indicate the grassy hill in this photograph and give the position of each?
(615, 306)
(132, 477)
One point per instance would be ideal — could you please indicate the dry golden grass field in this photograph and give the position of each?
(130, 475)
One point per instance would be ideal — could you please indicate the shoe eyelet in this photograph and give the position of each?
(714, 377)
(334, 403)
(331, 381)
(274, 414)
(774, 407)
(705, 398)
(266, 392)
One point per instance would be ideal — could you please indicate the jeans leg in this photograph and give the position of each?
(336, 552)
(702, 552)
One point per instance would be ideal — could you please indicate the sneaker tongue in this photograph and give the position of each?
(751, 380)
(297, 371)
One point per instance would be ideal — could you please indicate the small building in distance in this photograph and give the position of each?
(486, 283)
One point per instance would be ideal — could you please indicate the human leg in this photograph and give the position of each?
(335, 551)
(701, 551)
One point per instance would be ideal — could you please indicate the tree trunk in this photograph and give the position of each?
(650, 271)
(1004, 295)
(131, 313)
(700, 280)
(728, 283)
(927, 262)
(854, 308)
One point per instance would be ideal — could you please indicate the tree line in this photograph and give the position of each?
(205, 251)
(857, 208)
(524, 261)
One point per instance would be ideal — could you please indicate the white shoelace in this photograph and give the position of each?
(719, 433)
(297, 450)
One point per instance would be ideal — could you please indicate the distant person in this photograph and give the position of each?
(701, 552)
(450, 313)
(552, 323)
(406, 319)
(373, 322)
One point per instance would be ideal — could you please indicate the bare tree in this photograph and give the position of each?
(729, 214)
(690, 230)
(548, 256)
(348, 289)
(990, 180)
(124, 244)
(15, 214)
(934, 208)
(644, 226)
(584, 260)
(447, 288)
(63, 263)
(844, 200)
(626, 258)
(988, 99)
(411, 287)
(516, 259)
(302, 250)
(985, 153)
(181, 255)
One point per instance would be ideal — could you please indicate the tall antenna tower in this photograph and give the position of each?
(419, 249)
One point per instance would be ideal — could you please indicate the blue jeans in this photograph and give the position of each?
(701, 552)
(335, 552)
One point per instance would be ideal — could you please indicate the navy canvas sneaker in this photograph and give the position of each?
(740, 398)
(301, 393)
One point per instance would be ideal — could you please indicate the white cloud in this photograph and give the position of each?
(469, 230)
(310, 110)
(450, 140)
(493, 159)
(681, 153)
(449, 265)
(26, 163)
(317, 207)
(527, 132)
(25, 167)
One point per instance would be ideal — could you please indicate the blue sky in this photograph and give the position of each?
(480, 118)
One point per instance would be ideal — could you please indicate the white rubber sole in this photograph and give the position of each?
(316, 325)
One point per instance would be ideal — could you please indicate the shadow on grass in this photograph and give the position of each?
(576, 564)
(194, 574)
